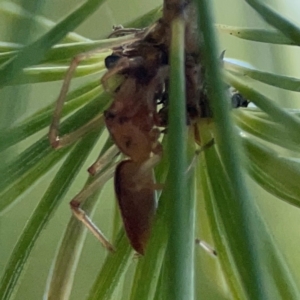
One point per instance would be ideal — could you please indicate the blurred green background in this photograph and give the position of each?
(282, 218)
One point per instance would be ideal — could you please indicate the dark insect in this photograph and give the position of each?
(238, 100)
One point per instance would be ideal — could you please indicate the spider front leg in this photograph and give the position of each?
(72, 137)
(53, 135)
(57, 141)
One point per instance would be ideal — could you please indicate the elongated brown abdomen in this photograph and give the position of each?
(136, 198)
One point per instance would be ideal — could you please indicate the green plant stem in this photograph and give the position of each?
(179, 255)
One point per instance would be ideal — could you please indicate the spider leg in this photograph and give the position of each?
(80, 214)
(71, 137)
(53, 134)
(102, 160)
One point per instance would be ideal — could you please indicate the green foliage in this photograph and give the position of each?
(213, 194)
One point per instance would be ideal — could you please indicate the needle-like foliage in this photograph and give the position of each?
(208, 226)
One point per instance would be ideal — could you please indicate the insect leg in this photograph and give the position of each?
(80, 214)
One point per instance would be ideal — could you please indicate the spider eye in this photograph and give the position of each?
(111, 60)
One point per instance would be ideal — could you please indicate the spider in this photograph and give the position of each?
(134, 119)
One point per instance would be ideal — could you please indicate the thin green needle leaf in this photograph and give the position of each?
(220, 184)
(289, 29)
(210, 191)
(14, 174)
(47, 74)
(41, 148)
(266, 129)
(65, 52)
(17, 169)
(160, 287)
(7, 46)
(39, 48)
(277, 113)
(256, 35)
(149, 18)
(218, 100)
(6, 56)
(180, 250)
(62, 54)
(92, 87)
(245, 229)
(61, 276)
(19, 13)
(263, 164)
(69, 50)
(279, 81)
(113, 270)
(150, 265)
(286, 286)
(30, 178)
(43, 212)
(42, 118)
(66, 262)
(64, 267)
